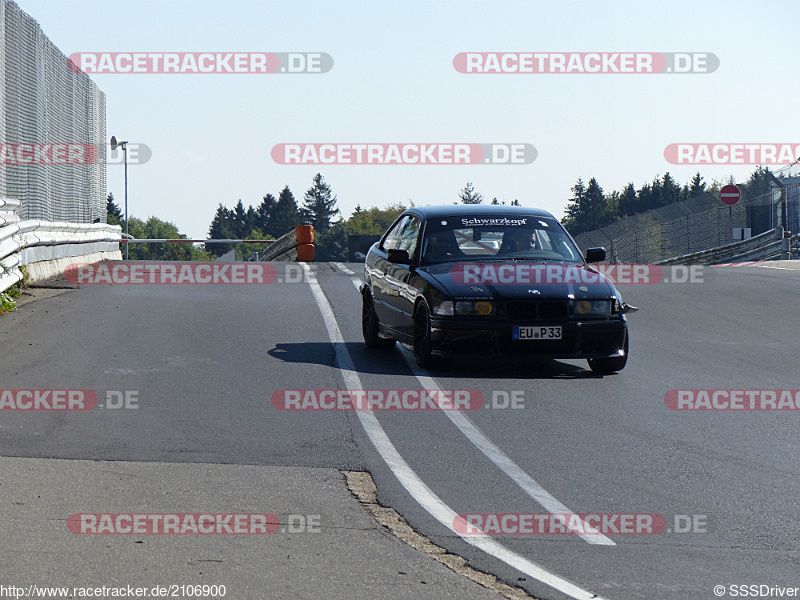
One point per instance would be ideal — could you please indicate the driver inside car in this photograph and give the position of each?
(517, 241)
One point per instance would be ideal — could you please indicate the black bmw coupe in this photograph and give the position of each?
(469, 280)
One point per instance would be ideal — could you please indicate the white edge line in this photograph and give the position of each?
(527, 483)
(410, 480)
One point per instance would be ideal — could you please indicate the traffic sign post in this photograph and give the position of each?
(730, 195)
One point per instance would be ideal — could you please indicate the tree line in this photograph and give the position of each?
(270, 219)
(591, 208)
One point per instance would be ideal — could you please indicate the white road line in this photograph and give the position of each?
(343, 269)
(410, 480)
(528, 484)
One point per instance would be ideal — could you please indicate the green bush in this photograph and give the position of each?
(6, 303)
(8, 297)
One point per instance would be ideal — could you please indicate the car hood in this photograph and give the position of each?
(520, 280)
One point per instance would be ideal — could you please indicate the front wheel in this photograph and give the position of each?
(605, 366)
(370, 326)
(422, 336)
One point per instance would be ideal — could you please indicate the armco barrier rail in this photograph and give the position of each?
(770, 245)
(297, 245)
(32, 241)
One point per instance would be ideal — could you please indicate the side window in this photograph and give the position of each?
(409, 234)
(390, 243)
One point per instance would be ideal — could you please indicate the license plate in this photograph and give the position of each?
(537, 333)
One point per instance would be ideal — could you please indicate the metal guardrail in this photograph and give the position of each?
(298, 244)
(770, 245)
(16, 235)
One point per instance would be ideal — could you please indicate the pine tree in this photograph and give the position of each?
(575, 208)
(263, 215)
(243, 220)
(286, 215)
(222, 228)
(113, 212)
(627, 200)
(587, 208)
(670, 190)
(319, 205)
(698, 186)
(595, 205)
(468, 195)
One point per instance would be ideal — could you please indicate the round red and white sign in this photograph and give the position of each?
(730, 195)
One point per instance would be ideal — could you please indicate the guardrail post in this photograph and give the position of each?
(296, 245)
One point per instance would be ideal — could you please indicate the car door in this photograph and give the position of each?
(381, 287)
(400, 291)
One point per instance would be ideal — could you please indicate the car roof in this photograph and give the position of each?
(462, 210)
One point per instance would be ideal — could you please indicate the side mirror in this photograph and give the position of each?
(594, 255)
(399, 257)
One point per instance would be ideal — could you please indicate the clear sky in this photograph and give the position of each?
(393, 81)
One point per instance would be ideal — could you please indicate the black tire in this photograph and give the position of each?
(604, 366)
(370, 325)
(423, 348)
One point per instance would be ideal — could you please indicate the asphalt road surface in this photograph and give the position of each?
(205, 361)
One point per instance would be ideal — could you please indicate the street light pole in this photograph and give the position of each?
(123, 145)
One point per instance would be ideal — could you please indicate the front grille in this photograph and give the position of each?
(522, 311)
(536, 310)
(552, 311)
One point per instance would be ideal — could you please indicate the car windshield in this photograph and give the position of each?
(497, 238)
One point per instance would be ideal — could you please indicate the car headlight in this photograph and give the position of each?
(593, 307)
(474, 307)
(444, 309)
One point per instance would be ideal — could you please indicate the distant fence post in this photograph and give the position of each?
(688, 239)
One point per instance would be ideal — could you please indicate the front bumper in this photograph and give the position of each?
(456, 336)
